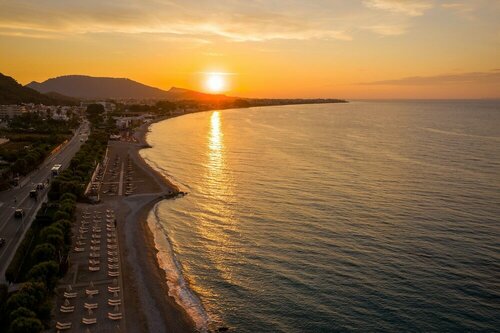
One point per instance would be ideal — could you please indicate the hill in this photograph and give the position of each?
(12, 92)
(88, 87)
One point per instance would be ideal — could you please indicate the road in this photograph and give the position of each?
(13, 229)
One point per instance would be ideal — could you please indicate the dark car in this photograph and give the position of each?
(40, 186)
(18, 213)
(33, 193)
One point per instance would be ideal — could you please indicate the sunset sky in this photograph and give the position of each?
(275, 48)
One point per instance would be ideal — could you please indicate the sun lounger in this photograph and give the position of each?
(112, 247)
(114, 302)
(113, 273)
(96, 236)
(112, 289)
(95, 242)
(112, 253)
(66, 307)
(95, 255)
(95, 248)
(63, 326)
(91, 306)
(115, 316)
(89, 321)
(69, 294)
(112, 260)
(94, 268)
(79, 249)
(94, 262)
(112, 266)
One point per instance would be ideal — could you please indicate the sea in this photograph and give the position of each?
(374, 216)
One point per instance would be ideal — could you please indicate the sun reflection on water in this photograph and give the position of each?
(215, 143)
(217, 223)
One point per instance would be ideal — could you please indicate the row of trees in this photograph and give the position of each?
(41, 259)
(39, 263)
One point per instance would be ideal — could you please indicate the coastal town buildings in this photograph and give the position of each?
(10, 111)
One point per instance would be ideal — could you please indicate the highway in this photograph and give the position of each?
(13, 229)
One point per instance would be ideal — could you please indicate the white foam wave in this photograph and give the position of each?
(177, 285)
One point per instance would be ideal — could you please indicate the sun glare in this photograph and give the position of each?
(215, 82)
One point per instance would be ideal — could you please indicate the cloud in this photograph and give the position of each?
(388, 30)
(210, 20)
(232, 21)
(490, 77)
(405, 7)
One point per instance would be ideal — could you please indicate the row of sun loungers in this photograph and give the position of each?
(90, 229)
(90, 304)
(129, 188)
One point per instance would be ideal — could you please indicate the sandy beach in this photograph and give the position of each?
(128, 190)
(149, 308)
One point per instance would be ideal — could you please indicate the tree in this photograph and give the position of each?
(44, 252)
(21, 299)
(68, 196)
(50, 230)
(61, 215)
(22, 312)
(26, 325)
(46, 271)
(94, 113)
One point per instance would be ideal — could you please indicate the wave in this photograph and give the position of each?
(178, 288)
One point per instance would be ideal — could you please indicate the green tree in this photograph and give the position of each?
(44, 252)
(26, 325)
(22, 312)
(46, 271)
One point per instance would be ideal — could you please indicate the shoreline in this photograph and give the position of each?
(143, 250)
(149, 300)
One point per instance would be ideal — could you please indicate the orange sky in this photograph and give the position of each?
(323, 48)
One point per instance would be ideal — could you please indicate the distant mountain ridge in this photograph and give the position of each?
(89, 87)
(11, 92)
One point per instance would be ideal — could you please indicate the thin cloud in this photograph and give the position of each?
(491, 77)
(234, 21)
(405, 7)
(388, 30)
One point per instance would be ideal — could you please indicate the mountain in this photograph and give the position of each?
(12, 92)
(88, 87)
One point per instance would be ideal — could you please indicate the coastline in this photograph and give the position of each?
(148, 300)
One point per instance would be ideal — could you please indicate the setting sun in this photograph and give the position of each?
(215, 82)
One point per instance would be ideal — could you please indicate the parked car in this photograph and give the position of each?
(40, 186)
(33, 193)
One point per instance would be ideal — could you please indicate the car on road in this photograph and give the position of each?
(40, 186)
(2, 241)
(18, 213)
(33, 193)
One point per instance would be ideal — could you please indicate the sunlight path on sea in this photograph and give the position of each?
(217, 179)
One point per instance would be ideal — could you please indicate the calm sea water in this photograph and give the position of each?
(368, 216)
